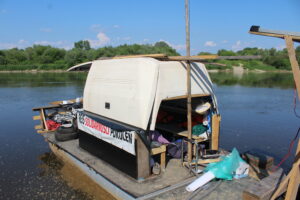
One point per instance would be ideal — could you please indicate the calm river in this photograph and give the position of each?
(257, 114)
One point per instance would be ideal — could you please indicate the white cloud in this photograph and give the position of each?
(103, 39)
(7, 45)
(116, 26)
(46, 30)
(59, 44)
(20, 44)
(237, 46)
(224, 41)
(210, 44)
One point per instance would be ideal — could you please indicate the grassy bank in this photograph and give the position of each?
(39, 67)
(246, 64)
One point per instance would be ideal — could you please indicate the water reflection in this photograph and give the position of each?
(267, 79)
(42, 79)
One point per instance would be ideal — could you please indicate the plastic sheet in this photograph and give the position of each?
(226, 168)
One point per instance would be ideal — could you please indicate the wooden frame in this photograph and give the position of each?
(292, 180)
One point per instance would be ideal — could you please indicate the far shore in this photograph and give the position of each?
(238, 71)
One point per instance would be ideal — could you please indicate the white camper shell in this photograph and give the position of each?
(127, 101)
(131, 90)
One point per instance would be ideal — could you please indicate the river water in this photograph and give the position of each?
(257, 114)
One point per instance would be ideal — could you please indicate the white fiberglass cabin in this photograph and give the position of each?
(126, 100)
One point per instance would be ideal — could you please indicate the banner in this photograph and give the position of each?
(122, 139)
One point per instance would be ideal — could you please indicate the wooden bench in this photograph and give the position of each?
(162, 151)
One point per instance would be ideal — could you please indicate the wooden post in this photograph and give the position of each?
(293, 60)
(215, 132)
(143, 159)
(188, 71)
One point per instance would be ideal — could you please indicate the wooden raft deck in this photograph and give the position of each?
(174, 174)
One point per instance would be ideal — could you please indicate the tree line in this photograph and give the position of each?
(47, 57)
(271, 58)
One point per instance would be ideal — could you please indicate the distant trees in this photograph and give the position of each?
(82, 44)
(272, 57)
(48, 57)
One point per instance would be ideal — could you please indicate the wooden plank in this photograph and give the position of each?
(294, 62)
(194, 137)
(294, 180)
(294, 38)
(44, 123)
(204, 161)
(44, 131)
(293, 185)
(46, 107)
(238, 57)
(262, 190)
(38, 127)
(175, 109)
(68, 101)
(141, 55)
(36, 117)
(143, 159)
(192, 58)
(163, 160)
(215, 132)
(185, 96)
(158, 150)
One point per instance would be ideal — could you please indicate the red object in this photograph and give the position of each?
(196, 119)
(52, 125)
(164, 117)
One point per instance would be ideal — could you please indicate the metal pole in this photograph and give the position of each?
(188, 70)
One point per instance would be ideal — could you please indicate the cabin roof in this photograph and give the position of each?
(130, 89)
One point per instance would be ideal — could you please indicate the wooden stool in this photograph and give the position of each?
(162, 151)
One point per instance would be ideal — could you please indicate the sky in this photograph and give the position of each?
(214, 24)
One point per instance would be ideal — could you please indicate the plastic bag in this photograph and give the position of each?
(226, 168)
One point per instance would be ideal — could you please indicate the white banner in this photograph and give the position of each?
(123, 139)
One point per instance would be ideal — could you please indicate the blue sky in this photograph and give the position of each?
(215, 24)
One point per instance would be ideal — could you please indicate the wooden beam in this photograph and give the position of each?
(203, 161)
(188, 80)
(294, 62)
(68, 101)
(44, 123)
(46, 107)
(37, 117)
(185, 96)
(143, 158)
(215, 132)
(38, 127)
(192, 58)
(293, 185)
(158, 150)
(282, 36)
(263, 189)
(43, 131)
(238, 57)
(141, 55)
